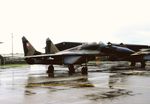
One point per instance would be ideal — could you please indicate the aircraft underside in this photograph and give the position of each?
(84, 69)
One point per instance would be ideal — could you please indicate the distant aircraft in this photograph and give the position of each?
(141, 54)
(82, 53)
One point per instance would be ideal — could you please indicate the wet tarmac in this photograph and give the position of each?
(108, 83)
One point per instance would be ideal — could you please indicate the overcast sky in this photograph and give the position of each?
(116, 21)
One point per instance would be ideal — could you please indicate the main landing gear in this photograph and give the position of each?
(132, 63)
(50, 71)
(71, 71)
(71, 68)
(143, 64)
(84, 70)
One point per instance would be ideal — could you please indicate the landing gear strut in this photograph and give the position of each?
(84, 70)
(143, 64)
(132, 63)
(50, 71)
(71, 69)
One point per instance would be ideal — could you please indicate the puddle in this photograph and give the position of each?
(31, 85)
(109, 94)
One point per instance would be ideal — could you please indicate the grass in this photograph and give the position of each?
(12, 66)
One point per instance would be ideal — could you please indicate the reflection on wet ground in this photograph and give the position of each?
(109, 83)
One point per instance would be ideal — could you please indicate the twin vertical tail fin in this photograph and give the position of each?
(29, 50)
(50, 47)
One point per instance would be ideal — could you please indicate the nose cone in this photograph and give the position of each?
(125, 50)
(129, 51)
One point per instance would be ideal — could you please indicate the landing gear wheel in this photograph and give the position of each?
(84, 70)
(132, 63)
(143, 64)
(50, 71)
(71, 69)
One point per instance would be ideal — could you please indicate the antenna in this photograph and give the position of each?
(12, 44)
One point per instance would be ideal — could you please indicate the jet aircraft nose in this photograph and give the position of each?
(123, 50)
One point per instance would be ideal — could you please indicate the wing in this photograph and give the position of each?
(69, 57)
(144, 53)
(66, 53)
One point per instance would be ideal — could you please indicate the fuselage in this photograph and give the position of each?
(86, 52)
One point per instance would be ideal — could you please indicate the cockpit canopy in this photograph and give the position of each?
(92, 46)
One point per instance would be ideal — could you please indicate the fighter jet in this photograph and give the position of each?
(77, 55)
(73, 56)
(141, 54)
(80, 54)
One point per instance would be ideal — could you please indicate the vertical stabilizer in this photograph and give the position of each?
(29, 50)
(50, 47)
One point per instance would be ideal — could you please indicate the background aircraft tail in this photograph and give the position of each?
(29, 50)
(50, 47)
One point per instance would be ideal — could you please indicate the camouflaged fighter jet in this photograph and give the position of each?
(80, 54)
(141, 54)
